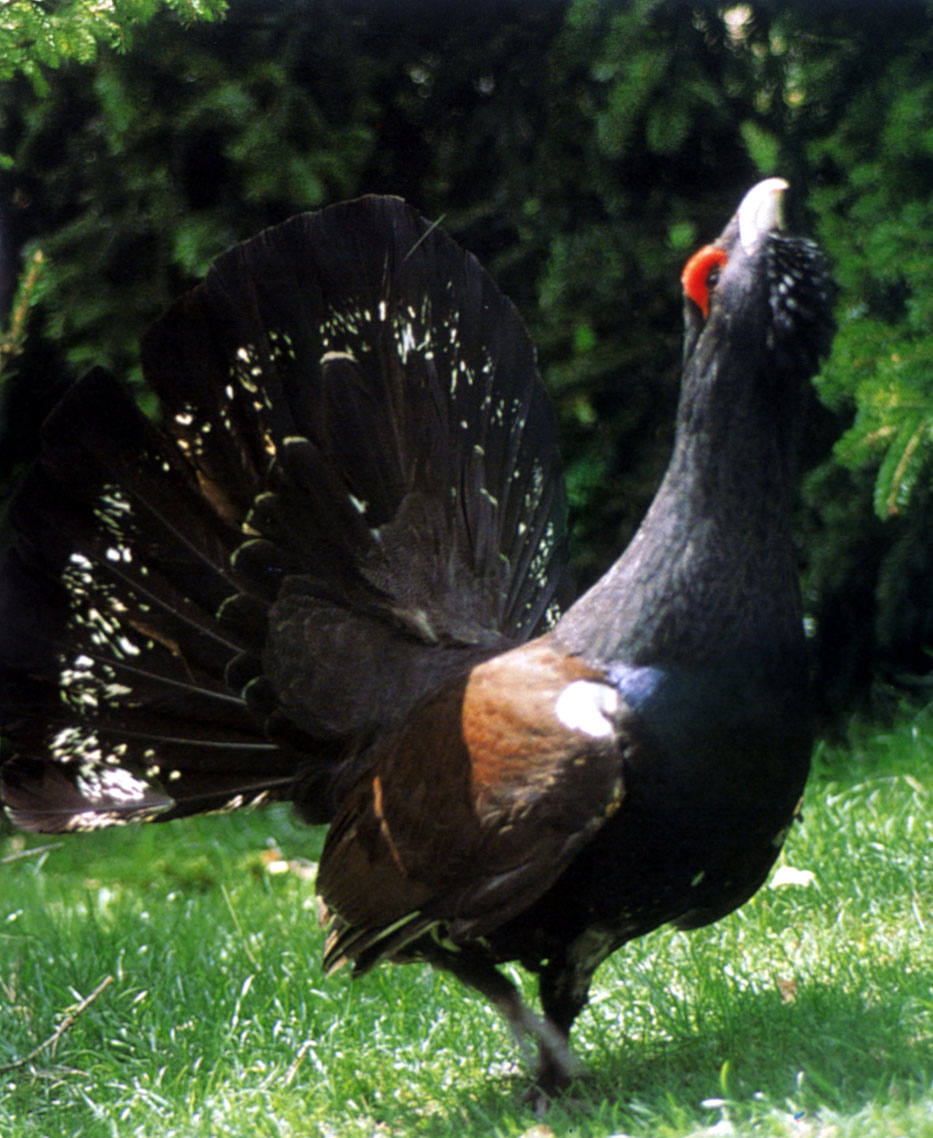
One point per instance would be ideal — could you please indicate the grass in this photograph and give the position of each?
(808, 1013)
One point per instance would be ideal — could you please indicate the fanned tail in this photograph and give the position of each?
(354, 492)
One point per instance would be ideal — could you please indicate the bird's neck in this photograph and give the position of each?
(709, 577)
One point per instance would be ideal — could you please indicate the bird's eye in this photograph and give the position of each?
(700, 275)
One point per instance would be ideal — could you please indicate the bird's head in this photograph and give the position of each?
(755, 281)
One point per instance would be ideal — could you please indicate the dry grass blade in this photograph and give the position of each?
(35, 851)
(67, 1021)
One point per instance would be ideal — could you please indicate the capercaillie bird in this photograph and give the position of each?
(335, 573)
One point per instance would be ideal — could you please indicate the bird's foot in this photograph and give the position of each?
(556, 1070)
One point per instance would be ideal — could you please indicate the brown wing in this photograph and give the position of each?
(471, 809)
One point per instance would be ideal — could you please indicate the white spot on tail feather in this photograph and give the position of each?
(110, 785)
(588, 706)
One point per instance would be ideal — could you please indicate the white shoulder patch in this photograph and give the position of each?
(588, 706)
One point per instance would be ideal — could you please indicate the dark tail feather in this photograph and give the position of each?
(113, 663)
(355, 489)
(373, 340)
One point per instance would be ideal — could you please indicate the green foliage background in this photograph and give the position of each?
(35, 35)
(582, 149)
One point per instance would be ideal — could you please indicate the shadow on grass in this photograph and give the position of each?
(826, 1050)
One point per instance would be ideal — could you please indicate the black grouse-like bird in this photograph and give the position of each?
(334, 573)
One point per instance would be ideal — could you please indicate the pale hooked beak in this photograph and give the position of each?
(761, 211)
